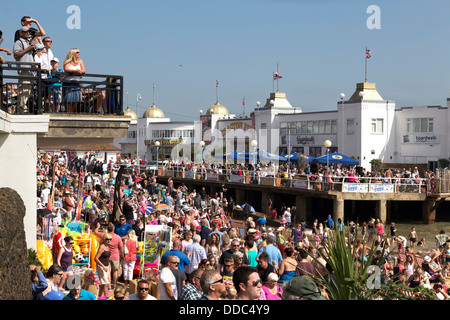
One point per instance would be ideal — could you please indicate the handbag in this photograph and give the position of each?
(125, 248)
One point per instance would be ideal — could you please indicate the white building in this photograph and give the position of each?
(364, 127)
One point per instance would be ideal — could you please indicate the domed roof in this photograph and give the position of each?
(217, 109)
(153, 112)
(130, 113)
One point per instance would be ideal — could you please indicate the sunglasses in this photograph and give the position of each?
(218, 281)
(227, 265)
(145, 289)
(256, 283)
(176, 263)
(119, 298)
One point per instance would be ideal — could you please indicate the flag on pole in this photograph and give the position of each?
(217, 83)
(276, 76)
(243, 101)
(368, 54)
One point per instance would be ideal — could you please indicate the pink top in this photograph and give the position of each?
(131, 255)
(269, 295)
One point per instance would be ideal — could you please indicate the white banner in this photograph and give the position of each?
(189, 174)
(212, 176)
(381, 187)
(355, 187)
(237, 178)
(300, 183)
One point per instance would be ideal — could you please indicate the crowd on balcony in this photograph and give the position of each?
(61, 88)
(316, 174)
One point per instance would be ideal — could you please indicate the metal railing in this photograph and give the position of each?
(301, 181)
(26, 87)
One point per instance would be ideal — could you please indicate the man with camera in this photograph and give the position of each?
(23, 52)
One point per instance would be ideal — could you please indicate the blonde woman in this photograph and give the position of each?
(74, 69)
(213, 246)
(102, 261)
(129, 260)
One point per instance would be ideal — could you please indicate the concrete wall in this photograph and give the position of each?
(18, 148)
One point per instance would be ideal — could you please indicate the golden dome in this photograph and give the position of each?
(217, 109)
(153, 112)
(130, 113)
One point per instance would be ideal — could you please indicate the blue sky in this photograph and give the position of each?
(184, 46)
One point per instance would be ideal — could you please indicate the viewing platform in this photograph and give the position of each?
(348, 200)
(83, 115)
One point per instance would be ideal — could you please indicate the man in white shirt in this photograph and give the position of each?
(167, 285)
(142, 292)
(47, 56)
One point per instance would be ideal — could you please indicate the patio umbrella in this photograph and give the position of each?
(162, 206)
(294, 157)
(251, 208)
(147, 209)
(337, 158)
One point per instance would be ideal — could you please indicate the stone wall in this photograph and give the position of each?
(15, 283)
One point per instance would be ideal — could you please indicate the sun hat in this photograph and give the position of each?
(303, 287)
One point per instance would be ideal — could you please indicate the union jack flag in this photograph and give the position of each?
(217, 83)
(368, 54)
(276, 76)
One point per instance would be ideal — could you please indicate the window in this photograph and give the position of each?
(315, 151)
(377, 126)
(350, 126)
(298, 149)
(419, 125)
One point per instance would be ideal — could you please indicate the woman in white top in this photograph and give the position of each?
(74, 69)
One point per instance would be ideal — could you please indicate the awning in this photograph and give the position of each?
(100, 146)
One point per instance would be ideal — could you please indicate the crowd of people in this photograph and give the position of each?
(61, 90)
(212, 256)
(317, 175)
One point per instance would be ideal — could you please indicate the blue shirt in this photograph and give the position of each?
(122, 231)
(84, 295)
(273, 252)
(184, 260)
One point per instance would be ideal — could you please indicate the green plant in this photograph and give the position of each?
(351, 278)
(443, 163)
(33, 259)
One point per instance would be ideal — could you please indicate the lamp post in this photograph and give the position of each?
(254, 143)
(327, 144)
(138, 97)
(202, 145)
(157, 144)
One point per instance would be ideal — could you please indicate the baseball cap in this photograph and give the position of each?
(24, 29)
(303, 287)
(39, 46)
(55, 59)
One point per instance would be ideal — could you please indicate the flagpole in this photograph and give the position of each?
(217, 95)
(153, 94)
(365, 72)
(277, 77)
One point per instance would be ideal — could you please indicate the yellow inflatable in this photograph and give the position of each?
(95, 243)
(44, 254)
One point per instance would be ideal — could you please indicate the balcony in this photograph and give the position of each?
(82, 114)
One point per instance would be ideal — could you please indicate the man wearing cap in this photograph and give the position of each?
(302, 288)
(23, 52)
